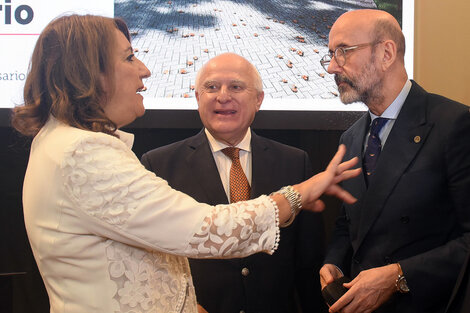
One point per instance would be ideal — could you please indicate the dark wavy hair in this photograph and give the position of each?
(70, 59)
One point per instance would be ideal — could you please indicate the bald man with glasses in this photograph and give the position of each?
(405, 239)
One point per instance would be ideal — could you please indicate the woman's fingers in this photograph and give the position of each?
(326, 182)
(347, 175)
(346, 165)
(337, 158)
(340, 193)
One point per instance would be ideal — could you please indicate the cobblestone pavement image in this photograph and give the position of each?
(284, 39)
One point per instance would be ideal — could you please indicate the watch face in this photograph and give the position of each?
(402, 284)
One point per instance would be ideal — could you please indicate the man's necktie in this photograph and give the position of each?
(374, 146)
(239, 186)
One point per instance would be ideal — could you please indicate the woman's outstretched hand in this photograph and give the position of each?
(327, 182)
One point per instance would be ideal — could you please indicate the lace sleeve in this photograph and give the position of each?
(115, 197)
(238, 230)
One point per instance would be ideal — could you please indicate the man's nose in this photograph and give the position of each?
(333, 67)
(223, 94)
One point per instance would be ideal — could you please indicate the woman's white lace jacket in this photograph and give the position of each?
(109, 236)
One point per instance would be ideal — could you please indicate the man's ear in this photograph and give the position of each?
(260, 100)
(389, 54)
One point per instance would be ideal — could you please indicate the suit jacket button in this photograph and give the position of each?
(405, 219)
(388, 260)
(245, 271)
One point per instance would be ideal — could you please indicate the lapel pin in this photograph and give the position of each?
(417, 139)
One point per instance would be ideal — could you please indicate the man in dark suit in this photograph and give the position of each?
(404, 241)
(229, 93)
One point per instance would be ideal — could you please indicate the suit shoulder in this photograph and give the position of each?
(168, 149)
(446, 113)
(281, 147)
(355, 127)
(442, 105)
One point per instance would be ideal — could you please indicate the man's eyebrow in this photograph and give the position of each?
(215, 82)
(209, 82)
(341, 45)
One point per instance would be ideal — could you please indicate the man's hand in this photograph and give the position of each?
(328, 273)
(368, 291)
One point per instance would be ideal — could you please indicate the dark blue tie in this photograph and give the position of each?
(374, 146)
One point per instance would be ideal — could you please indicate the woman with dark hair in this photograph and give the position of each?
(109, 236)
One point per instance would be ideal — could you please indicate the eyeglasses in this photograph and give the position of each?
(340, 54)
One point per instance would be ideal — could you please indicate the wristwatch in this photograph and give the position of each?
(295, 201)
(400, 283)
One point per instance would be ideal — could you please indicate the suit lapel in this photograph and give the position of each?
(202, 163)
(261, 167)
(357, 185)
(353, 139)
(403, 144)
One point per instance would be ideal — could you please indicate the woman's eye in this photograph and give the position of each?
(130, 57)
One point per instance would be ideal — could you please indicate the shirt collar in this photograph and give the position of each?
(217, 145)
(393, 109)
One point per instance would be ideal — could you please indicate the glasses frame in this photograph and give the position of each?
(325, 62)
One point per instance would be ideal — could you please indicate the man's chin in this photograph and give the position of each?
(346, 100)
(347, 96)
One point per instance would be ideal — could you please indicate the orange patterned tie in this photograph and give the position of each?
(239, 186)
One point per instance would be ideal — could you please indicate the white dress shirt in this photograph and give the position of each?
(391, 113)
(224, 163)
